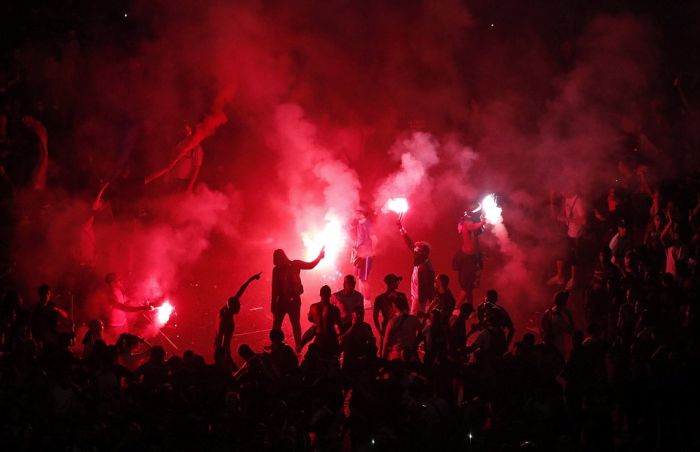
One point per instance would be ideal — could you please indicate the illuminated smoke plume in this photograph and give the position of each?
(323, 191)
(418, 154)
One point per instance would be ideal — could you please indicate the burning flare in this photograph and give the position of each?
(491, 210)
(397, 205)
(163, 312)
(333, 237)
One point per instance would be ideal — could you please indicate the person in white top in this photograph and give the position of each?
(573, 215)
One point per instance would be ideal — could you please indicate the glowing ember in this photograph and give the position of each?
(163, 313)
(333, 237)
(492, 212)
(398, 205)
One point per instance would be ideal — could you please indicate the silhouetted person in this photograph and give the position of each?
(348, 300)
(499, 317)
(224, 331)
(444, 301)
(326, 320)
(45, 313)
(283, 359)
(435, 334)
(385, 305)
(401, 341)
(457, 331)
(93, 334)
(467, 262)
(358, 342)
(287, 290)
(423, 275)
(118, 307)
(363, 248)
(557, 323)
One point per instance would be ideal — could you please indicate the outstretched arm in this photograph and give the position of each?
(245, 284)
(309, 265)
(127, 308)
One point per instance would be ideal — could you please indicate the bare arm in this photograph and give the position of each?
(126, 308)
(309, 265)
(245, 284)
(406, 238)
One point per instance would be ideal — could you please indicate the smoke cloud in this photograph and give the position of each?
(329, 105)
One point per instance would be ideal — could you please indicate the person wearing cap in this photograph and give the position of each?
(620, 244)
(363, 248)
(385, 305)
(573, 216)
(423, 275)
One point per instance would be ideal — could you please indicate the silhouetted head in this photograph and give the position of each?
(442, 282)
(158, 354)
(349, 283)
(44, 293)
(422, 251)
(325, 292)
(392, 281)
(276, 336)
(279, 257)
(245, 352)
(560, 299)
(491, 296)
(96, 325)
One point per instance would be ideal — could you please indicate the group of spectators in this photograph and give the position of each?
(455, 378)
(622, 376)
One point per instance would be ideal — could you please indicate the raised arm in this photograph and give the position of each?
(245, 284)
(406, 238)
(309, 265)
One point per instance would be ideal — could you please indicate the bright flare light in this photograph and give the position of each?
(492, 212)
(163, 313)
(333, 237)
(398, 205)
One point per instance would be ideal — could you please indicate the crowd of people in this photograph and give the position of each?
(425, 369)
(429, 373)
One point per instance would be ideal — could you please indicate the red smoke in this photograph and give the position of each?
(334, 104)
